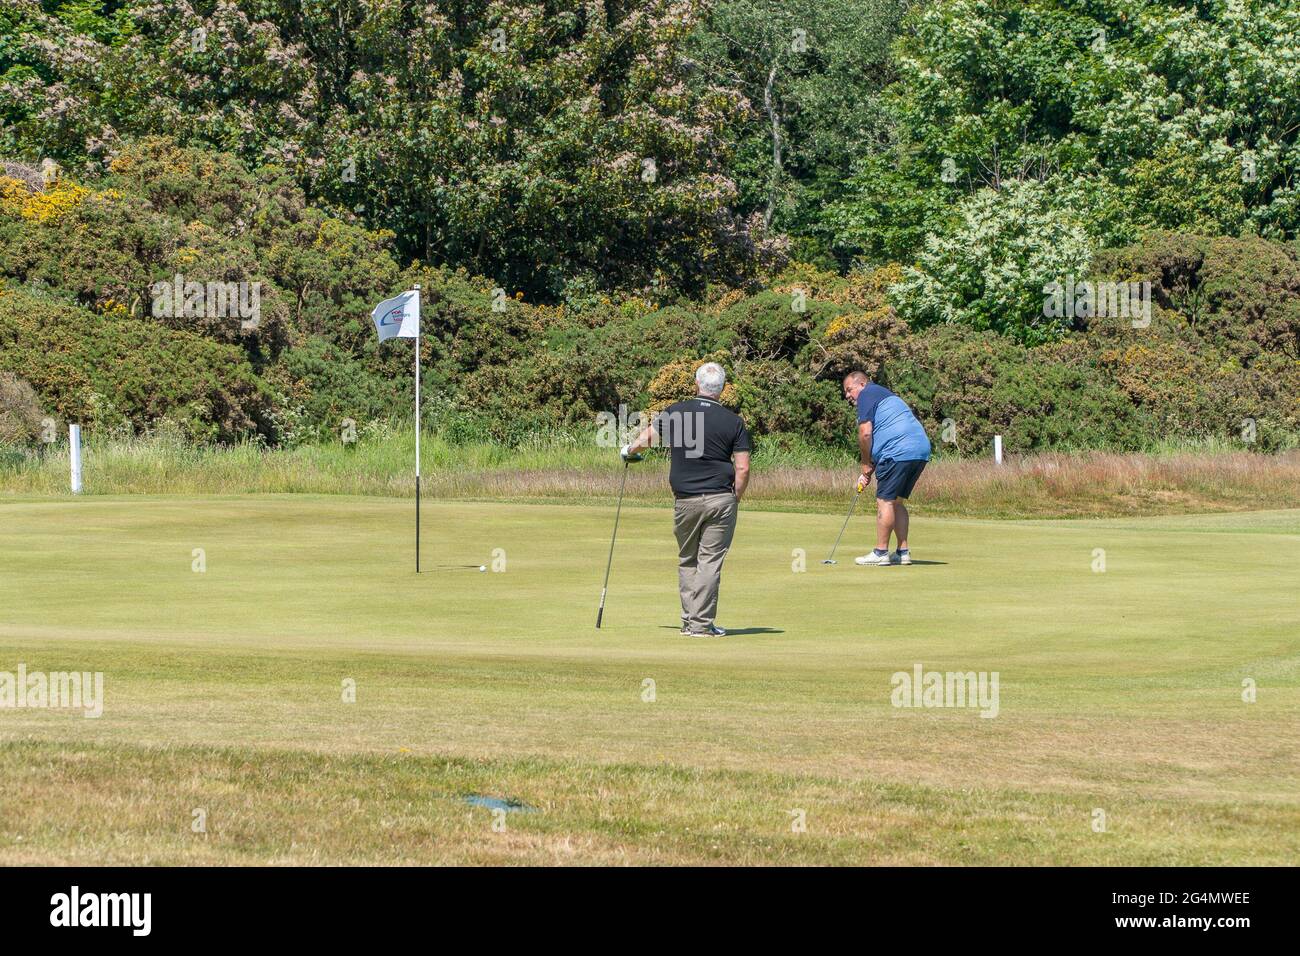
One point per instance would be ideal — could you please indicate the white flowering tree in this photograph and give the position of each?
(989, 270)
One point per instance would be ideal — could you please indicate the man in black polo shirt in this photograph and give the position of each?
(710, 469)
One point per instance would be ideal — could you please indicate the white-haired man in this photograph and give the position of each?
(710, 471)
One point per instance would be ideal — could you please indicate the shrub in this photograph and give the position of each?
(108, 248)
(1242, 295)
(775, 398)
(866, 340)
(675, 382)
(20, 411)
(94, 369)
(191, 185)
(772, 325)
(968, 386)
(325, 385)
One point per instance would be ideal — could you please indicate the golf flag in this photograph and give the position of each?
(398, 317)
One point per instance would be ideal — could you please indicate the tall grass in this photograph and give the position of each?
(565, 468)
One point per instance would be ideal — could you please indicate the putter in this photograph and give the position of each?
(830, 559)
(608, 564)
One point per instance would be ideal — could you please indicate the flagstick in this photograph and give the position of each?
(417, 429)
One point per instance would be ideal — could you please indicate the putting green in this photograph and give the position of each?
(1120, 695)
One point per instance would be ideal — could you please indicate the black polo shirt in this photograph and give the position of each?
(701, 434)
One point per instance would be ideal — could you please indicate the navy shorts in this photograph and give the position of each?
(896, 479)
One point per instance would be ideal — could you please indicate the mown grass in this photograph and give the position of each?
(1121, 690)
(1212, 477)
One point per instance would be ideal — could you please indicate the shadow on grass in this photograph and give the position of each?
(732, 631)
(915, 563)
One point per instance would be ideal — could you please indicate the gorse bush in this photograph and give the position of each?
(123, 373)
(969, 386)
(1241, 295)
(21, 415)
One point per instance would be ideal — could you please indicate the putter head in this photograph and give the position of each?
(828, 561)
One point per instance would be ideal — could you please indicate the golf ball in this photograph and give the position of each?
(482, 567)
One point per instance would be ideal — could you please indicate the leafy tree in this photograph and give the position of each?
(811, 72)
(1156, 113)
(545, 143)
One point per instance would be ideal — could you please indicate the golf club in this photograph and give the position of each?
(830, 558)
(608, 564)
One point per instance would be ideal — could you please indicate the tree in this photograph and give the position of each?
(1155, 113)
(811, 71)
(548, 144)
(991, 270)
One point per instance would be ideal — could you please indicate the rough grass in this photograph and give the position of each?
(130, 805)
(562, 468)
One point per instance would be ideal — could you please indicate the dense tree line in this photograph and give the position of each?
(595, 192)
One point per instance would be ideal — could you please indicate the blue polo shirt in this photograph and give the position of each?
(895, 432)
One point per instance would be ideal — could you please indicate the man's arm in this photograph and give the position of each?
(741, 458)
(864, 448)
(864, 454)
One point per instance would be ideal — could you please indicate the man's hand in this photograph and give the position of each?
(632, 450)
(864, 479)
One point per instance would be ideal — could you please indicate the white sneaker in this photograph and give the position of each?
(712, 631)
(879, 560)
(901, 557)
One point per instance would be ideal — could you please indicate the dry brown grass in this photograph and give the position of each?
(1046, 485)
(1042, 485)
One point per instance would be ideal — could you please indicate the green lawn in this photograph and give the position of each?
(1119, 691)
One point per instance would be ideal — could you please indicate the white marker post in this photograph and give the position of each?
(997, 449)
(74, 455)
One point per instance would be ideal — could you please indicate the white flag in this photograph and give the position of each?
(398, 317)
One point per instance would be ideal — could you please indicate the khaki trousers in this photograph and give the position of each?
(704, 525)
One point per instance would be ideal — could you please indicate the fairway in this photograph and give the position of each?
(1120, 690)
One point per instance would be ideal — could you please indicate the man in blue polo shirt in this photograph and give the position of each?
(892, 445)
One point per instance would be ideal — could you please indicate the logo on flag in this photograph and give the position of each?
(398, 317)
